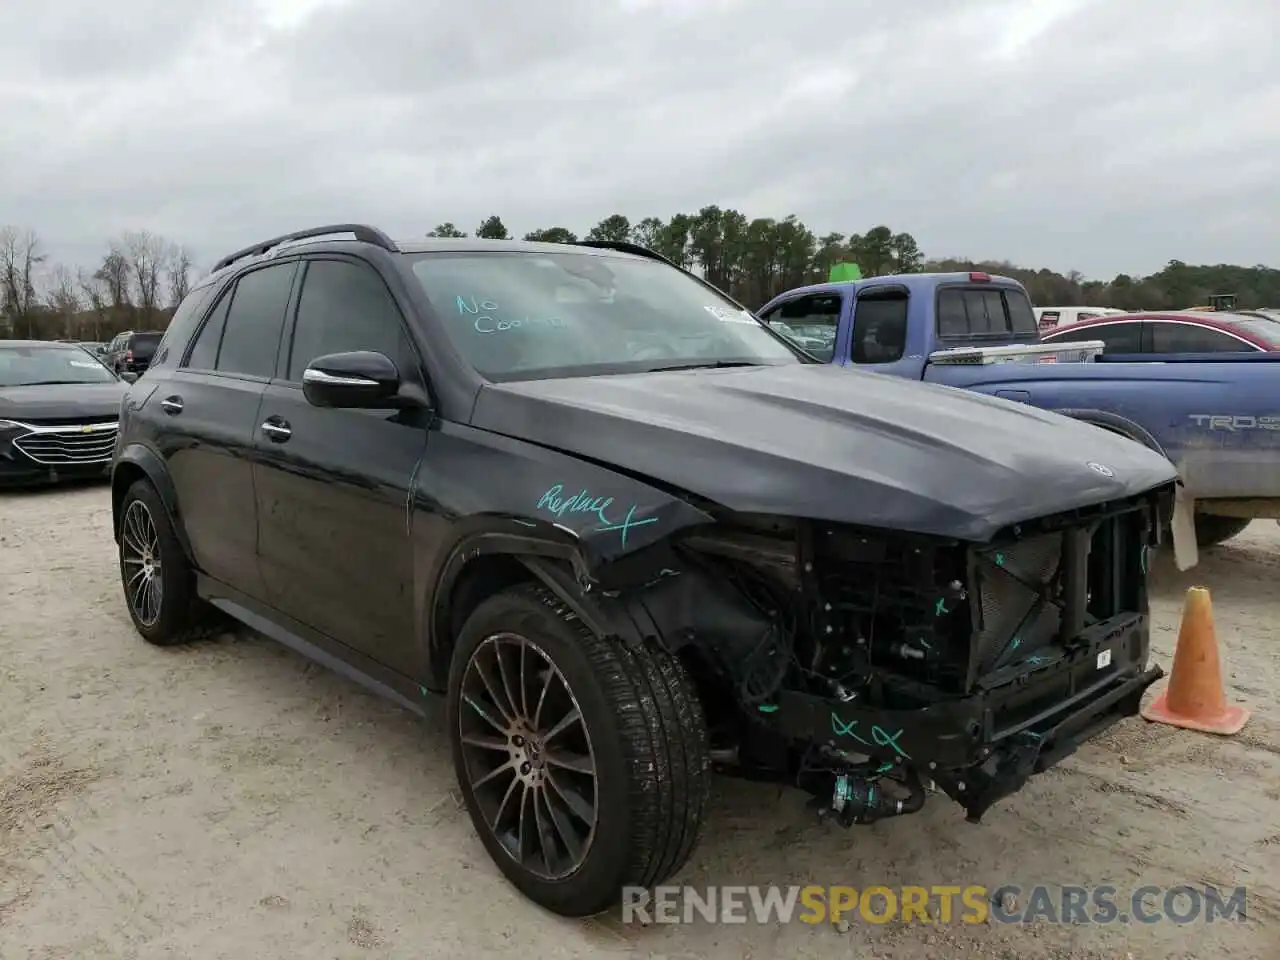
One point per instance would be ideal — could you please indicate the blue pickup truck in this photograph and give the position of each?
(1215, 416)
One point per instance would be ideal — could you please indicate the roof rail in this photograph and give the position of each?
(364, 234)
(624, 246)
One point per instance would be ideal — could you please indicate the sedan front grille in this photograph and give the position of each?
(70, 445)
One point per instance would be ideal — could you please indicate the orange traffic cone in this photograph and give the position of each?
(1195, 698)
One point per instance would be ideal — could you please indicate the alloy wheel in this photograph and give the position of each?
(140, 562)
(528, 755)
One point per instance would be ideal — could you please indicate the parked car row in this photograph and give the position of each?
(626, 530)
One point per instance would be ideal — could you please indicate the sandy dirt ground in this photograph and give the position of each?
(231, 800)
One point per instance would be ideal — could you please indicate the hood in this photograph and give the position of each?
(62, 401)
(828, 443)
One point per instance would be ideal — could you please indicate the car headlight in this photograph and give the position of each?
(10, 425)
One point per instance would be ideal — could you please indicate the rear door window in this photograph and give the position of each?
(1118, 337)
(1171, 337)
(251, 335)
(880, 326)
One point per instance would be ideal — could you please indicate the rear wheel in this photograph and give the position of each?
(583, 762)
(1212, 530)
(159, 584)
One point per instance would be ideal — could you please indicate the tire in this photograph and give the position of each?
(149, 549)
(642, 729)
(1212, 530)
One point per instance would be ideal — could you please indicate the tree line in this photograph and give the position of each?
(142, 276)
(135, 286)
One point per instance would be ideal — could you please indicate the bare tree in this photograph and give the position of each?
(179, 275)
(63, 300)
(94, 295)
(115, 276)
(20, 257)
(149, 257)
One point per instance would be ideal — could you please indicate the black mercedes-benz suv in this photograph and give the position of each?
(632, 536)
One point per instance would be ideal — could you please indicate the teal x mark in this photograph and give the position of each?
(881, 736)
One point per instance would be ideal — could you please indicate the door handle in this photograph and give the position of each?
(277, 430)
(171, 405)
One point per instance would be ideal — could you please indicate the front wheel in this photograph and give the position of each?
(583, 761)
(159, 584)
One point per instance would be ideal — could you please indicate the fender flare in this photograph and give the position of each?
(557, 566)
(143, 458)
(1117, 424)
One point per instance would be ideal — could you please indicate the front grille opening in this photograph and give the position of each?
(894, 602)
(1033, 593)
(1018, 590)
(68, 447)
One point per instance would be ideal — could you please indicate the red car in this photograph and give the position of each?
(1157, 332)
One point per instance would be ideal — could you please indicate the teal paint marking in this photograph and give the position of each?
(554, 502)
(1145, 549)
(768, 708)
(940, 607)
(880, 736)
(999, 559)
(487, 320)
(1036, 660)
(628, 523)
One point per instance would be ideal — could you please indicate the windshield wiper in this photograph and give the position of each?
(706, 365)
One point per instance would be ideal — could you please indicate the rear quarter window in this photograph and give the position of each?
(184, 321)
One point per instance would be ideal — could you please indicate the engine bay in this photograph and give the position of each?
(863, 664)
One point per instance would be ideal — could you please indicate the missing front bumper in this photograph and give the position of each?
(1023, 720)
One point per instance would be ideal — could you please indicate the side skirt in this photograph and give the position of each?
(324, 650)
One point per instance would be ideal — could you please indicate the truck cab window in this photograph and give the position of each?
(880, 326)
(984, 311)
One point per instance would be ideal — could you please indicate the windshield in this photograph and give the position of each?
(526, 316)
(29, 365)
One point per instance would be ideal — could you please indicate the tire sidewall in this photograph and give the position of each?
(606, 862)
(174, 572)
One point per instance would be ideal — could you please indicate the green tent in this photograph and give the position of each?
(844, 272)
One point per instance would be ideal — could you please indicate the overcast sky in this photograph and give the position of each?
(1098, 135)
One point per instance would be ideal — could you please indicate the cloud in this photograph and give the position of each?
(1103, 137)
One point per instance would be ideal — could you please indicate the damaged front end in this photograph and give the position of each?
(863, 664)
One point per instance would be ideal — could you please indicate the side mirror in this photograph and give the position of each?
(128, 376)
(352, 380)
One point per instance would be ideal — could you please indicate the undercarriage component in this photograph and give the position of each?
(864, 800)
